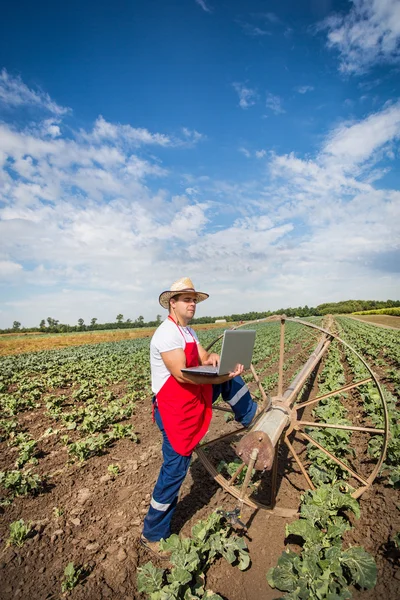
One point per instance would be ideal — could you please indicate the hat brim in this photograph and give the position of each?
(168, 294)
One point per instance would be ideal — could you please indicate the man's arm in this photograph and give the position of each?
(175, 361)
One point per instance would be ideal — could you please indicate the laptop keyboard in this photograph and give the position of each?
(208, 369)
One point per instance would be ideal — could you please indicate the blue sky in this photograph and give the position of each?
(253, 146)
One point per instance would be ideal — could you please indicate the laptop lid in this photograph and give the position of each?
(237, 348)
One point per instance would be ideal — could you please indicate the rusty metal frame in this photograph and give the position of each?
(286, 401)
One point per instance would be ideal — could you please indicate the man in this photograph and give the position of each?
(182, 403)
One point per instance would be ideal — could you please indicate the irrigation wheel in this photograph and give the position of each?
(287, 424)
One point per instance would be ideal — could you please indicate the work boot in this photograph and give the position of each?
(154, 548)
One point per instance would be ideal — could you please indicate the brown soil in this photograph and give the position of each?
(387, 321)
(11, 343)
(102, 518)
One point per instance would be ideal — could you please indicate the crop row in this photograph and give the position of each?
(372, 405)
(330, 410)
(378, 345)
(80, 395)
(86, 392)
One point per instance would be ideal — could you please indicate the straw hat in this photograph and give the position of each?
(184, 284)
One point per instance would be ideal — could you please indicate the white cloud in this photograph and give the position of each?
(247, 96)
(191, 137)
(335, 185)
(351, 230)
(104, 131)
(244, 151)
(271, 17)
(274, 103)
(8, 267)
(94, 225)
(353, 144)
(248, 154)
(253, 30)
(203, 5)
(303, 89)
(192, 191)
(260, 20)
(13, 92)
(127, 136)
(244, 247)
(368, 35)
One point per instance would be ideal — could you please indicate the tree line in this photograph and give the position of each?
(51, 325)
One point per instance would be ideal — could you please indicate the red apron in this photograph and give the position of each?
(185, 408)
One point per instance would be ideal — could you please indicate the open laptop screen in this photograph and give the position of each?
(237, 348)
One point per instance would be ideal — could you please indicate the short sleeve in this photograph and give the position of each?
(167, 339)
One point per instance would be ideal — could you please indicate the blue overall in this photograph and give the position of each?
(173, 471)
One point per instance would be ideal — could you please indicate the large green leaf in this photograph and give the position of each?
(199, 531)
(186, 560)
(304, 529)
(301, 592)
(229, 548)
(197, 587)
(314, 514)
(337, 528)
(332, 499)
(204, 528)
(167, 593)
(171, 544)
(361, 566)
(149, 578)
(190, 595)
(244, 560)
(310, 564)
(283, 576)
(179, 575)
(332, 563)
(210, 595)
(342, 594)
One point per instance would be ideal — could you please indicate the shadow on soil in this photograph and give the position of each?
(201, 492)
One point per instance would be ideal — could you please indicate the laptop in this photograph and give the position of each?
(237, 348)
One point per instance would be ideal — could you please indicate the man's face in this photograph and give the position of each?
(184, 306)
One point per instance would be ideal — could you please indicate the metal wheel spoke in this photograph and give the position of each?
(333, 426)
(332, 457)
(299, 463)
(281, 357)
(249, 473)
(274, 477)
(281, 416)
(345, 388)
(236, 474)
(223, 408)
(222, 437)
(222, 481)
(260, 387)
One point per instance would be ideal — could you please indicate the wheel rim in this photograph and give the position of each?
(298, 429)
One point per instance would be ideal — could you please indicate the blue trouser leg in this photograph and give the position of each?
(236, 393)
(157, 522)
(173, 471)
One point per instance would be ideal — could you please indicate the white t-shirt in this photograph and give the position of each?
(168, 336)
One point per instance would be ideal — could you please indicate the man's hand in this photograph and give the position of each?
(213, 359)
(237, 371)
(175, 360)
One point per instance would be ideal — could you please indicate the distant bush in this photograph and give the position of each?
(380, 311)
(356, 306)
